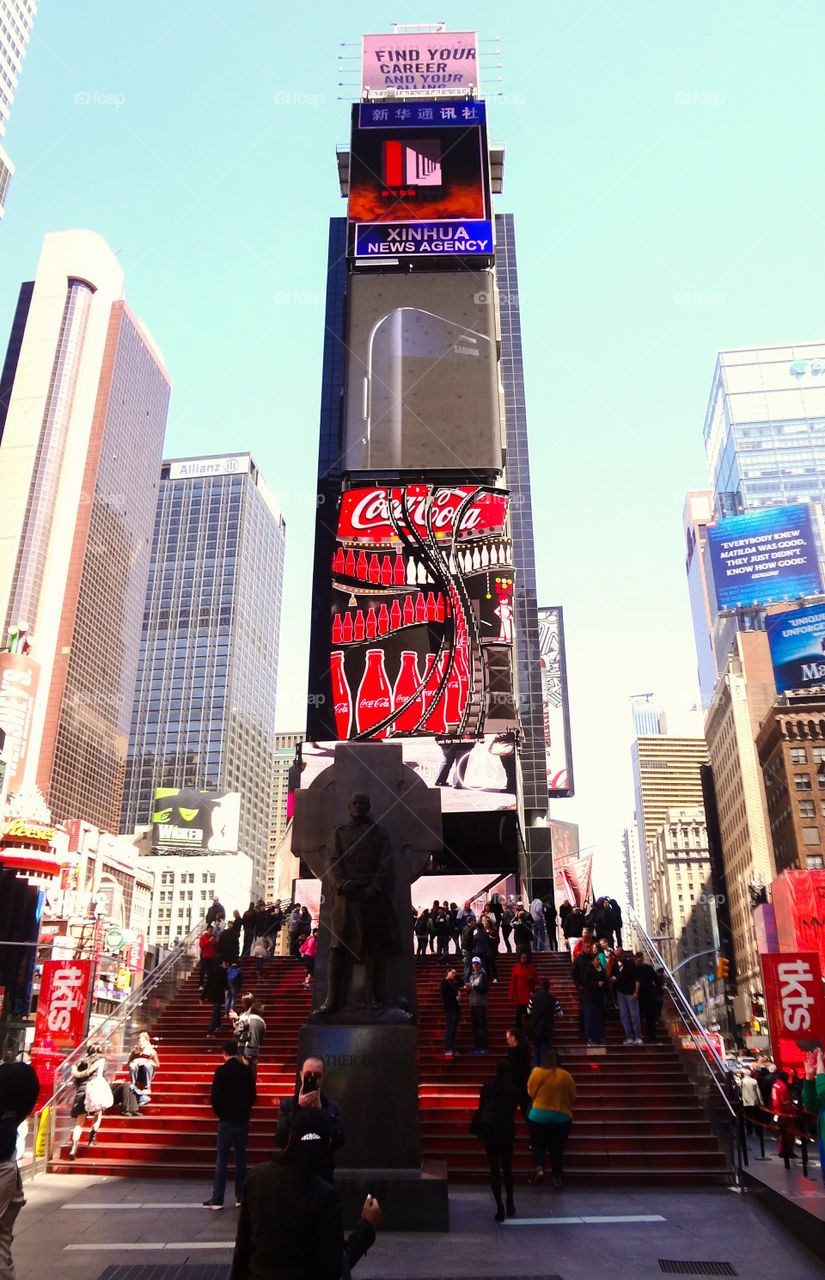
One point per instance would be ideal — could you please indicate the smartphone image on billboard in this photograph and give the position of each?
(428, 386)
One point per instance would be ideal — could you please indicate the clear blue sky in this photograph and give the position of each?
(664, 164)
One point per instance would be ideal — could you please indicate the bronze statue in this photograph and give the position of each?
(363, 925)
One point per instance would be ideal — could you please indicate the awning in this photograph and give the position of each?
(30, 861)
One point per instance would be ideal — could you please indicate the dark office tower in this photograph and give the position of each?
(204, 701)
(83, 416)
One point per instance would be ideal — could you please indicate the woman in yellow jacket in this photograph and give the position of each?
(552, 1094)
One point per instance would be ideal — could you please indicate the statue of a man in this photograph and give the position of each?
(363, 927)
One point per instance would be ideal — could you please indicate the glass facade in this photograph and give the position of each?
(16, 18)
(204, 702)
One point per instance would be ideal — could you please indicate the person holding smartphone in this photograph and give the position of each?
(309, 1095)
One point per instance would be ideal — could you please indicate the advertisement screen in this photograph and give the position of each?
(764, 557)
(476, 774)
(421, 627)
(418, 183)
(797, 643)
(186, 819)
(422, 374)
(555, 703)
(427, 63)
(19, 676)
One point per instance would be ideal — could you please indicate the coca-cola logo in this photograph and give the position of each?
(382, 704)
(371, 511)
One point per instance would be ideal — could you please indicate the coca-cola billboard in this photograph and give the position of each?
(421, 628)
(61, 1005)
(795, 1005)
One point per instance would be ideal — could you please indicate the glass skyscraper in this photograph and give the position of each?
(204, 702)
(16, 18)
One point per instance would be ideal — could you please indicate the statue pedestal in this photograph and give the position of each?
(372, 1072)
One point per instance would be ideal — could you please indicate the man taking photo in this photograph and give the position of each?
(309, 1095)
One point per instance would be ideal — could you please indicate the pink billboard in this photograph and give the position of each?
(426, 63)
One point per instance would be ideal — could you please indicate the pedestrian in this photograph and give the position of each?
(214, 993)
(248, 929)
(553, 1094)
(455, 928)
(649, 1003)
(616, 920)
(450, 992)
(492, 932)
(751, 1101)
(494, 1122)
(573, 926)
(523, 978)
(93, 1095)
(523, 934)
(542, 1012)
(234, 979)
(290, 1227)
(481, 947)
(583, 943)
(539, 931)
(443, 932)
(260, 954)
(478, 987)
(294, 929)
(215, 911)
(309, 1096)
(467, 935)
(233, 1097)
(208, 947)
(627, 992)
(518, 1057)
(250, 1030)
(229, 942)
(592, 993)
(421, 929)
(508, 915)
(143, 1063)
(813, 1097)
(19, 1091)
(783, 1108)
(307, 951)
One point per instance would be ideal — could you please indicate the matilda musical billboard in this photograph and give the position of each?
(421, 629)
(763, 557)
(419, 189)
(797, 644)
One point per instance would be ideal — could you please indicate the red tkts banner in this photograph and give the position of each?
(798, 899)
(61, 1007)
(795, 1005)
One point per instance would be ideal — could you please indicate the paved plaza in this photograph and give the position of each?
(84, 1228)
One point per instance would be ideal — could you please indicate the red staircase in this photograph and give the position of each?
(636, 1118)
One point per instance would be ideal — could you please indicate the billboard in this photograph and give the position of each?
(422, 379)
(426, 63)
(797, 644)
(19, 677)
(473, 774)
(764, 557)
(555, 703)
(421, 626)
(419, 184)
(187, 819)
(794, 1002)
(61, 1007)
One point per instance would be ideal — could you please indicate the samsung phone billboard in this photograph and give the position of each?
(797, 643)
(764, 557)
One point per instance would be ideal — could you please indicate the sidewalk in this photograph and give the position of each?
(798, 1202)
(82, 1228)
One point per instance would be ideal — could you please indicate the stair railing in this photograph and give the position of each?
(51, 1125)
(705, 1068)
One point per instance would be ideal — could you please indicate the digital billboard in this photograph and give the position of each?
(555, 703)
(425, 63)
(419, 184)
(422, 386)
(797, 644)
(764, 557)
(196, 820)
(421, 626)
(475, 774)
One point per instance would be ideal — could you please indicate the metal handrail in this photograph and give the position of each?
(688, 1015)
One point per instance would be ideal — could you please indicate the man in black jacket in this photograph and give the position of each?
(233, 1097)
(215, 910)
(309, 1094)
(450, 988)
(214, 993)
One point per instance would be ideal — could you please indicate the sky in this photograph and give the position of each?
(664, 168)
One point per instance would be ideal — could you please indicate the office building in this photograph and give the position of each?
(744, 696)
(184, 886)
(16, 18)
(683, 904)
(82, 381)
(203, 714)
(648, 718)
(666, 775)
(791, 749)
(632, 869)
(286, 745)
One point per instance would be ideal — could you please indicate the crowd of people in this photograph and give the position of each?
(787, 1103)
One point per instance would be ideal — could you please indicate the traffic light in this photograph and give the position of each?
(722, 968)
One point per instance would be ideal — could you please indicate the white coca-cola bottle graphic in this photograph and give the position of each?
(373, 701)
(341, 699)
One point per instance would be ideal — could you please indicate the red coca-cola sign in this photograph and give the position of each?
(366, 513)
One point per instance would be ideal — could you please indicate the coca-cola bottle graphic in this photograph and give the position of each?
(383, 620)
(349, 564)
(372, 623)
(337, 629)
(386, 571)
(373, 701)
(341, 699)
(405, 686)
(408, 612)
(463, 665)
(398, 571)
(436, 720)
(346, 630)
(374, 571)
(361, 565)
(358, 628)
(452, 697)
(430, 682)
(395, 616)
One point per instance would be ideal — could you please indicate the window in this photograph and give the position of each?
(810, 835)
(799, 755)
(802, 781)
(807, 808)
(818, 755)
(815, 862)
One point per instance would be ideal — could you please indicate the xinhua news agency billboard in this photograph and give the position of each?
(196, 820)
(797, 644)
(427, 63)
(764, 557)
(419, 186)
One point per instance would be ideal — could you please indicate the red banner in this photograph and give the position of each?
(61, 1007)
(795, 1005)
(365, 513)
(798, 899)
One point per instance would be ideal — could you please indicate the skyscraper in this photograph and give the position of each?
(286, 745)
(204, 701)
(16, 18)
(647, 717)
(82, 381)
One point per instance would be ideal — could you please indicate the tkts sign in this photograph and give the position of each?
(795, 1005)
(371, 515)
(61, 1006)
